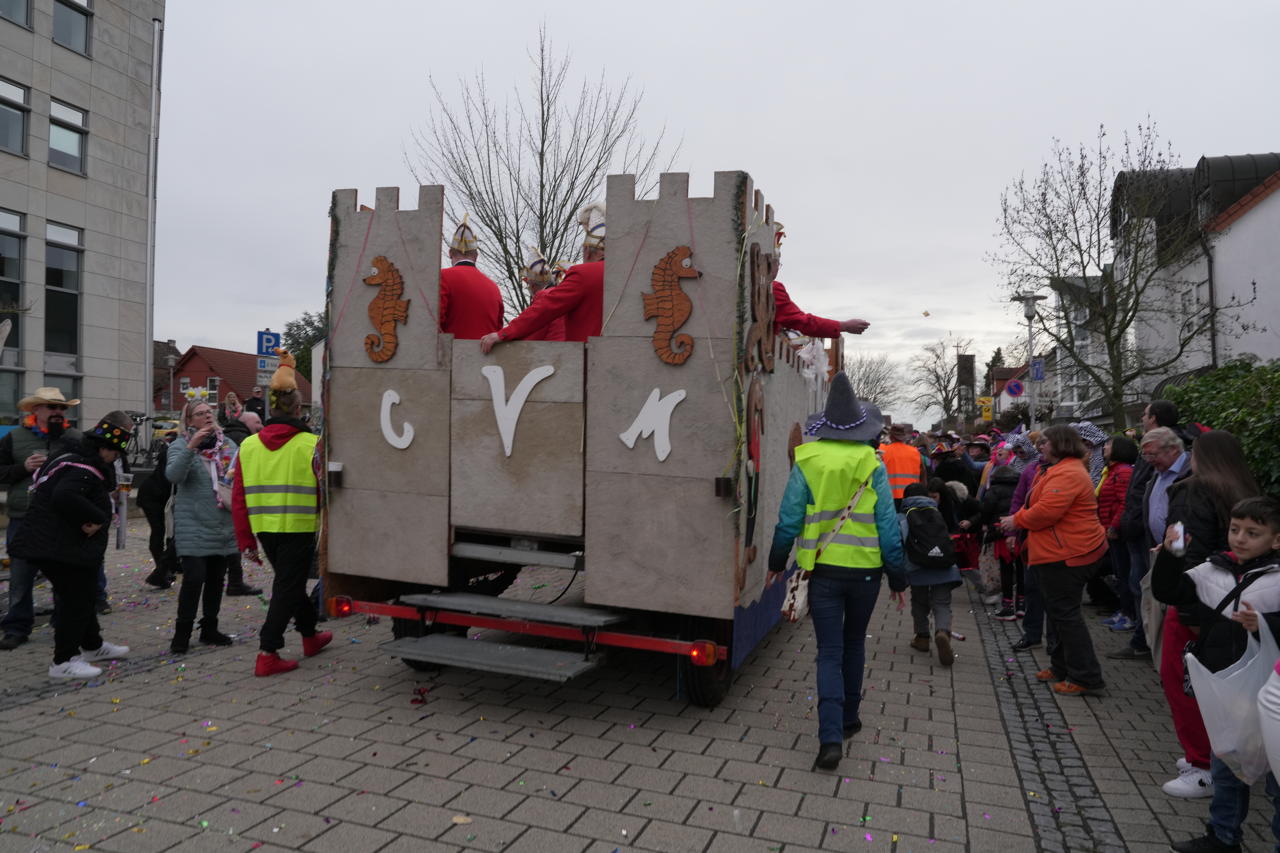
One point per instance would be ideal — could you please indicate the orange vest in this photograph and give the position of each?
(902, 464)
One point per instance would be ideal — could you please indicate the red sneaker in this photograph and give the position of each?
(270, 663)
(1046, 675)
(311, 646)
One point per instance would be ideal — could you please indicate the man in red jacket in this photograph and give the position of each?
(470, 302)
(787, 315)
(539, 276)
(579, 298)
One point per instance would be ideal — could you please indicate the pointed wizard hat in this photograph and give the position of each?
(591, 218)
(846, 418)
(464, 238)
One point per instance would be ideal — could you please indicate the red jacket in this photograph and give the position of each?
(1062, 516)
(553, 331)
(470, 303)
(788, 316)
(1111, 494)
(579, 299)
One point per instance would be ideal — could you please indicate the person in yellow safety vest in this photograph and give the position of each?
(838, 511)
(902, 463)
(275, 497)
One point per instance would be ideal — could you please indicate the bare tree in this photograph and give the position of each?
(524, 168)
(1115, 236)
(935, 377)
(874, 377)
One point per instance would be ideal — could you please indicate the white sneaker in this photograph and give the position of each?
(993, 598)
(108, 651)
(1191, 784)
(74, 668)
(1184, 765)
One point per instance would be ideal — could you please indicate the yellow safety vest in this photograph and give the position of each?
(280, 485)
(834, 470)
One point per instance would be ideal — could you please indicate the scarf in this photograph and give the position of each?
(219, 461)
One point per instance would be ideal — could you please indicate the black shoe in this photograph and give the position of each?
(828, 756)
(180, 645)
(242, 589)
(1025, 645)
(851, 729)
(1130, 653)
(102, 607)
(1207, 843)
(11, 642)
(159, 580)
(215, 638)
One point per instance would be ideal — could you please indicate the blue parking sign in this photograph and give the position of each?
(268, 341)
(1037, 370)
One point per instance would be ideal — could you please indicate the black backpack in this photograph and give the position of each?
(929, 545)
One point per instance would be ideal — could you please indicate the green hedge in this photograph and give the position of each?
(1243, 399)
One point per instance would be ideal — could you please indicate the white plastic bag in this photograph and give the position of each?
(1228, 702)
(1269, 714)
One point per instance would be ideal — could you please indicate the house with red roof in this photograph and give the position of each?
(220, 371)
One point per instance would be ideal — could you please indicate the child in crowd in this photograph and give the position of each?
(995, 505)
(931, 569)
(1247, 579)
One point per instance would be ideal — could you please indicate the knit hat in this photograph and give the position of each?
(591, 218)
(112, 431)
(464, 239)
(846, 418)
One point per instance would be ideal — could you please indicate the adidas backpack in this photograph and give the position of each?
(929, 545)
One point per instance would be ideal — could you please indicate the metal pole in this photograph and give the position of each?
(153, 142)
(1031, 354)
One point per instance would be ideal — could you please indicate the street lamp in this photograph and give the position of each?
(1029, 300)
(172, 361)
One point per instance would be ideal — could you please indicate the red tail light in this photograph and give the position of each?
(703, 653)
(340, 606)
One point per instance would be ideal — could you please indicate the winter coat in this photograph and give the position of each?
(1203, 519)
(201, 528)
(16, 447)
(1133, 524)
(1221, 641)
(1061, 515)
(78, 491)
(236, 431)
(999, 495)
(1111, 495)
(155, 490)
(918, 575)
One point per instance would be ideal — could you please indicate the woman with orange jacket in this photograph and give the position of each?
(1065, 544)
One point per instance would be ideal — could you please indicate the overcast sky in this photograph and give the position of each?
(882, 133)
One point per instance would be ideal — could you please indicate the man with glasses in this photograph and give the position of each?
(42, 434)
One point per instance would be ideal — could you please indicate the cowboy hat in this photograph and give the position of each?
(47, 395)
(846, 418)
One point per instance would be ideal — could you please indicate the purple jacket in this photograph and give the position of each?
(1024, 485)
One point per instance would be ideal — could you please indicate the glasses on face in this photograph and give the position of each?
(55, 407)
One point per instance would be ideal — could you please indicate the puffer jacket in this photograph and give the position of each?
(999, 495)
(1111, 494)
(920, 575)
(78, 491)
(1061, 515)
(1221, 641)
(201, 528)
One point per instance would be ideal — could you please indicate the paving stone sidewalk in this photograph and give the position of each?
(356, 752)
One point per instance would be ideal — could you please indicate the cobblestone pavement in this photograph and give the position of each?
(355, 752)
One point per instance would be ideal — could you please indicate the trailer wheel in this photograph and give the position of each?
(708, 685)
(401, 628)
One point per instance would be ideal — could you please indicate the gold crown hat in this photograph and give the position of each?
(591, 218)
(464, 238)
(537, 268)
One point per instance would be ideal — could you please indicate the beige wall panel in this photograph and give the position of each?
(387, 535)
(409, 239)
(354, 432)
(659, 543)
(516, 360)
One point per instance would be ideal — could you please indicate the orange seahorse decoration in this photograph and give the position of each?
(386, 309)
(671, 305)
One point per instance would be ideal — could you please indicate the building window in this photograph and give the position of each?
(212, 385)
(71, 25)
(184, 385)
(67, 132)
(18, 11)
(62, 264)
(13, 117)
(10, 382)
(12, 242)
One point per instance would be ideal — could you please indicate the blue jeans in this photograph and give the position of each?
(1230, 804)
(22, 580)
(841, 608)
(1137, 571)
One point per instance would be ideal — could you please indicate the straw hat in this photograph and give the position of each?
(47, 395)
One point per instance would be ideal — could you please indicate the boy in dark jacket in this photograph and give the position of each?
(930, 588)
(995, 505)
(1245, 579)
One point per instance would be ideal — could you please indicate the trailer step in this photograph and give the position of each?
(527, 661)
(586, 617)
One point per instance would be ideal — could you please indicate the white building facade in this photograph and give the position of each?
(79, 107)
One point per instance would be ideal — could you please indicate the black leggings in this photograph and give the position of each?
(202, 579)
(76, 590)
(1011, 583)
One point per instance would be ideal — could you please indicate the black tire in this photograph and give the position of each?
(708, 685)
(401, 628)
